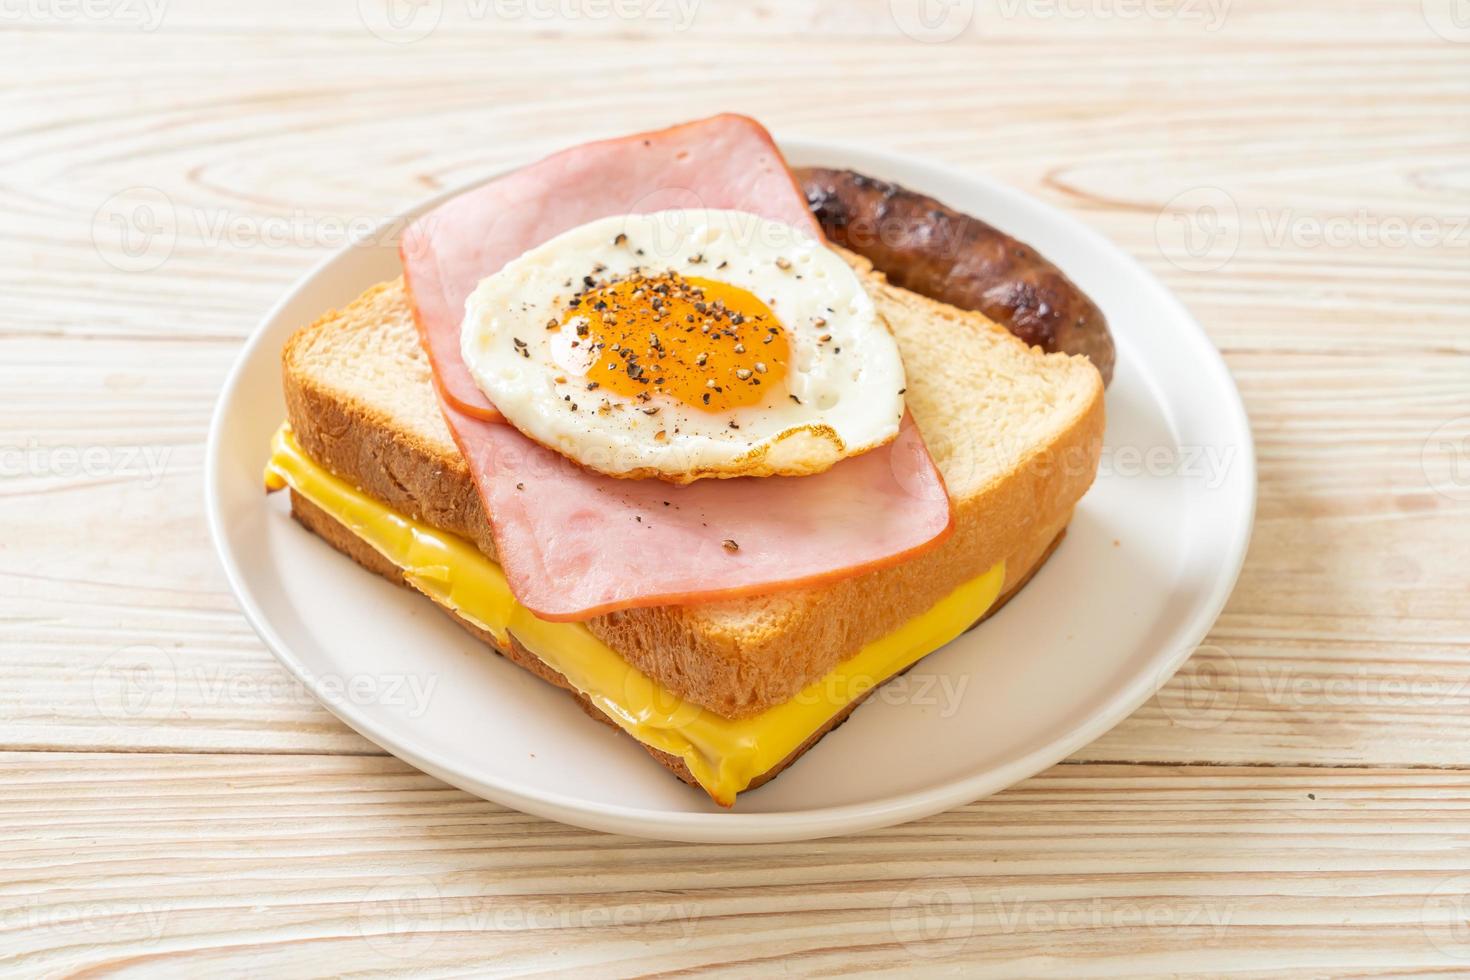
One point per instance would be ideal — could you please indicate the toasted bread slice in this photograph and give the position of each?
(1036, 550)
(1016, 434)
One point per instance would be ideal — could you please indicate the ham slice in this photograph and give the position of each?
(725, 162)
(576, 544)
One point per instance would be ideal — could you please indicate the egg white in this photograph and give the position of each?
(841, 396)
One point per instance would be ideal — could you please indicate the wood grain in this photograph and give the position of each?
(318, 865)
(235, 826)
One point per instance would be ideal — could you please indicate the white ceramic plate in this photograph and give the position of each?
(1151, 556)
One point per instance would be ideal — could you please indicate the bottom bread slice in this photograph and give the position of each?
(1019, 569)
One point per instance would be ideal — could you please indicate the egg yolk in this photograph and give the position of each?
(707, 344)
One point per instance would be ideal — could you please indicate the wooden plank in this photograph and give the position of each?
(1116, 139)
(892, 22)
(150, 864)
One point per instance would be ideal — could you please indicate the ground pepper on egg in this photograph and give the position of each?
(704, 343)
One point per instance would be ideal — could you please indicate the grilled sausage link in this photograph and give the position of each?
(936, 251)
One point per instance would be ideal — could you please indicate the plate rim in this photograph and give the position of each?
(794, 825)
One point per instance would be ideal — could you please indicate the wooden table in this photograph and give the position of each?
(1298, 799)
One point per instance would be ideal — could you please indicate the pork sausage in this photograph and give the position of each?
(936, 251)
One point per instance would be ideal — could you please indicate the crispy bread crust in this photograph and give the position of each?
(740, 657)
(1026, 562)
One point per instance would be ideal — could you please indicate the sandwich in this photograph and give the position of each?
(630, 418)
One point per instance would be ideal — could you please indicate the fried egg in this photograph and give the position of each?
(686, 344)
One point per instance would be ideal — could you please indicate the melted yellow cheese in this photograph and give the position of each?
(723, 754)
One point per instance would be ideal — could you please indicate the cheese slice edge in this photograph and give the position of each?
(724, 755)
